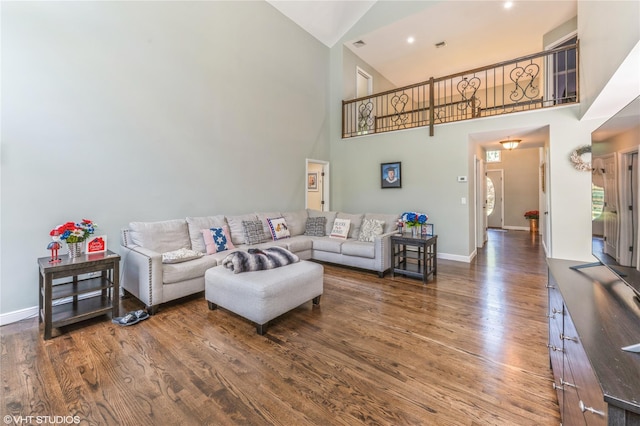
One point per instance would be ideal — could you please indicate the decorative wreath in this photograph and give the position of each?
(577, 160)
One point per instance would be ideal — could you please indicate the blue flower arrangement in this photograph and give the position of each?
(414, 219)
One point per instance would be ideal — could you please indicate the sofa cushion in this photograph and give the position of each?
(180, 255)
(217, 239)
(328, 244)
(359, 248)
(235, 227)
(390, 220)
(278, 228)
(340, 229)
(315, 226)
(179, 272)
(356, 221)
(253, 232)
(296, 221)
(161, 237)
(197, 224)
(330, 216)
(263, 217)
(370, 229)
(299, 243)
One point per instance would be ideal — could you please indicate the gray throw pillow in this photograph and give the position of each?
(315, 226)
(253, 231)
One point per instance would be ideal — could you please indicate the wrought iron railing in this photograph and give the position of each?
(531, 82)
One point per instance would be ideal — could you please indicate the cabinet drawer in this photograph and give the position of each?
(571, 413)
(587, 385)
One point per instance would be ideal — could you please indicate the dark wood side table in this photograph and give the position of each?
(414, 256)
(71, 307)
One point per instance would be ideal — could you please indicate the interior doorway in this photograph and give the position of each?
(317, 188)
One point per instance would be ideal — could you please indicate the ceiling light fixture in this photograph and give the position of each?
(410, 40)
(510, 143)
(441, 44)
(359, 43)
(508, 4)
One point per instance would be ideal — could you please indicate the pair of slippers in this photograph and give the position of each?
(131, 318)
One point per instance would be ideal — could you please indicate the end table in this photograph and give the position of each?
(419, 261)
(72, 307)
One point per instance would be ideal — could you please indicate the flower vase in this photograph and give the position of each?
(415, 232)
(533, 225)
(75, 250)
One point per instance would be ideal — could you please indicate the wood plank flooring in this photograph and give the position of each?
(468, 348)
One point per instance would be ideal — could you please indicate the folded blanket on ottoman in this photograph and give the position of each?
(258, 260)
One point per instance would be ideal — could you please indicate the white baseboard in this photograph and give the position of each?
(15, 316)
(32, 312)
(457, 257)
(516, 228)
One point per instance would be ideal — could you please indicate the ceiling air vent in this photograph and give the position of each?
(359, 43)
(441, 44)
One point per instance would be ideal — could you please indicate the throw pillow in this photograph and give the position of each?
(181, 255)
(369, 229)
(315, 226)
(340, 229)
(217, 239)
(253, 231)
(278, 228)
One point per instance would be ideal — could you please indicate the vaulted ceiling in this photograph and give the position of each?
(476, 33)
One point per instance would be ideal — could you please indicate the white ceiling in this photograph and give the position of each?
(471, 30)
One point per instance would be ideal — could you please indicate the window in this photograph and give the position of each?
(493, 156)
(491, 196)
(597, 201)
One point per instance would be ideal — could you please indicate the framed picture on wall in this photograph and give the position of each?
(312, 181)
(390, 176)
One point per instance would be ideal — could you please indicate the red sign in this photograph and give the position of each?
(97, 244)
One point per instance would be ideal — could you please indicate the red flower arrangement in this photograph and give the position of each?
(72, 232)
(532, 214)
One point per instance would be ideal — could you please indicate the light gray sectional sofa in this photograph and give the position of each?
(153, 282)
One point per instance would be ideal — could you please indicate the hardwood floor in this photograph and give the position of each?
(468, 348)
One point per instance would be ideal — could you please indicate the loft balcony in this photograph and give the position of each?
(536, 81)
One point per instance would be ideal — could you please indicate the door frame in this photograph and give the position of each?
(480, 195)
(324, 182)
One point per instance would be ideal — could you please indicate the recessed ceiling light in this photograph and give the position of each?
(410, 40)
(441, 44)
(508, 4)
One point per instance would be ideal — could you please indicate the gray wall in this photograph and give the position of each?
(122, 111)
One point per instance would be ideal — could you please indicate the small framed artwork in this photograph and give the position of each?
(97, 244)
(312, 181)
(390, 175)
(427, 230)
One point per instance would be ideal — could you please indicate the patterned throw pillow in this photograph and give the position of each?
(278, 228)
(217, 239)
(370, 228)
(315, 226)
(253, 231)
(181, 255)
(340, 229)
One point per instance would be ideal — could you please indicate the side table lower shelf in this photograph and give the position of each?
(70, 313)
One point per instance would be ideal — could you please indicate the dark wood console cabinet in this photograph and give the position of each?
(592, 314)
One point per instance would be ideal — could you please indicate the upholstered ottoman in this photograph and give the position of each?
(261, 296)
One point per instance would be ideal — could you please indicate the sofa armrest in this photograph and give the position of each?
(382, 249)
(142, 274)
